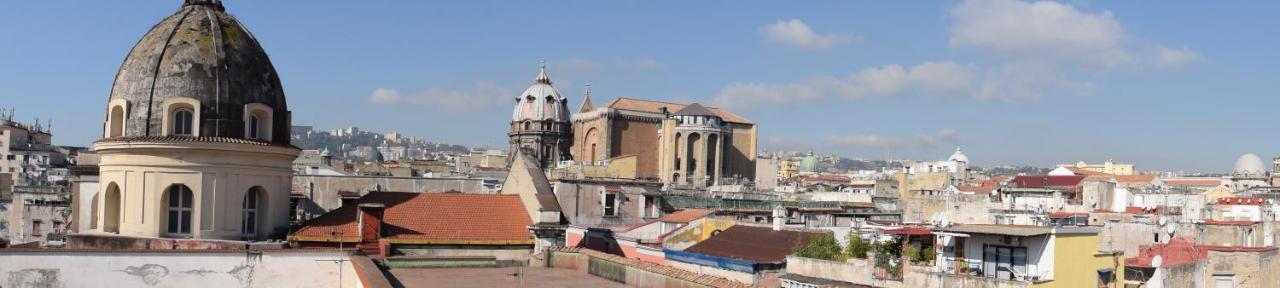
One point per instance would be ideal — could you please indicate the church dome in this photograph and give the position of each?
(958, 156)
(203, 60)
(1249, 164)
(541, 102)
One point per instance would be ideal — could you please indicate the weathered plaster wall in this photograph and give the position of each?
(1248, 268)
(20, 269)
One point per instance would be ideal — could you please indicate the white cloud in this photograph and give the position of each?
(796, 33)
(480, 96)
(749, 95)
(1175, 57)
(1041, 30)
(939, 78)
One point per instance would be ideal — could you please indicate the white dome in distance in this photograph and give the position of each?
(959, 156)
(1249, 163)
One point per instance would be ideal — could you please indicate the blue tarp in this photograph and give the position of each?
(731, 264)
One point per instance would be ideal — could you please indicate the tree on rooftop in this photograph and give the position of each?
(857, 248)
(823, 246)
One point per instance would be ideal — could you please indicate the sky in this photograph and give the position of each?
(1166, 86)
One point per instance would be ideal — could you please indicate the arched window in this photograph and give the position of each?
(182, 121)
(254, 124)
(527, 125)
(249, 210)
(257, 121)
(115, 123)
(179, 210)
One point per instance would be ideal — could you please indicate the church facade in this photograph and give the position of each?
(196, 140)
(677, 144)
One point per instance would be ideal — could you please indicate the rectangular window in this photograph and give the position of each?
(610, 204)
(1001, 261)
(1224, 281)
(35, 227)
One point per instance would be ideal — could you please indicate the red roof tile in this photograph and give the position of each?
(685, 216)
(1046, 181)
(1178, 251)
(429, 218)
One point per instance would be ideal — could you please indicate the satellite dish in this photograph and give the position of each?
(1170, 229)
(1162, 221)
(1155, 261)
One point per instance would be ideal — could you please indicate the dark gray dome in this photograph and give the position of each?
(202, 53)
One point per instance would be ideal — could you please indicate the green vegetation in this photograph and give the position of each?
(857, 248)
(823, 247)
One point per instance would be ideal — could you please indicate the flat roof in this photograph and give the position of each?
(1017, 230)
(497, 277)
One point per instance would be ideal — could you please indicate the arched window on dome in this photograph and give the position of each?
(115, 122)
(527, 125)
(182, 121)
(253, 126)
(181, 117)
(257, 122)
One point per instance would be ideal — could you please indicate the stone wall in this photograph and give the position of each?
(633, 273)
(958, 208)
(856, 271)
(203, 268)
(1248, 267)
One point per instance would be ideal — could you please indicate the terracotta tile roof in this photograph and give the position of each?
(1136, 178)
(1043, 181)
(1177, 252)
(673, 272)
(909, 231)
(685, 216)
(986, 188)
(189, 139)
(1230, 222)
(759, 244)
(430, 218)
(1065, 214)
(656, 107)
(1192, 182)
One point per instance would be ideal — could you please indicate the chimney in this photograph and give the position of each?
(370, 221)
(779, 213)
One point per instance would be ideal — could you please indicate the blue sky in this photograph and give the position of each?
(1169, 85)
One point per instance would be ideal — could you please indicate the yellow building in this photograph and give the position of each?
(788, 169)
(1023, 256)
(1108, 167)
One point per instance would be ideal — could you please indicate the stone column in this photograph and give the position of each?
(700, 153)
(719, 156)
